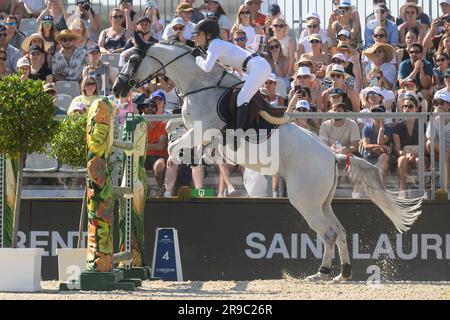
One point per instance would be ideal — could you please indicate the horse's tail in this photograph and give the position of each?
(367, 178)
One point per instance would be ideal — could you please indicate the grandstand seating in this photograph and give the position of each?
(112, 58)
(71, 88)
(63, 101)
(37, 162)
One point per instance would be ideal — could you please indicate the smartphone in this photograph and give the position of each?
(440, 23)
(297, 89)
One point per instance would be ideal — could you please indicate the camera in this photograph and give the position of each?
(340, 12)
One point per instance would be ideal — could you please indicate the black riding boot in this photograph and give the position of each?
(241, 116)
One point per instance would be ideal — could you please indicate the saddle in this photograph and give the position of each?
(261, 115)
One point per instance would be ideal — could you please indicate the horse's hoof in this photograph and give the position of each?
(340, 278)
(318, 277)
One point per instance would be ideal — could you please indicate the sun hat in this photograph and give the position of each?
(342, 45)
(182, 7)
(339, 56)
(302, 104)
(27, 42)
(407, 5)
(304, 59)
(67, 33)
(337, 68)
(305, 71)
(312, 15)
(389, 51)
(50, 86)
(315, 36)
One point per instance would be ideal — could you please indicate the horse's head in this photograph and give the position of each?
(127, 80)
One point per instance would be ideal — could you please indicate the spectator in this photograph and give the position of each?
(441, 103)
(381, 19)
(379, 66)
(412, 36)
(83, 41)
(160, 98)
(417, 68)
(281, 33)
(15, 36)
(126, 7)
(306, 123)
(278, 61)
(103, 72)
(196, 16)
(172, 101)
(39, 68)
(36, 40)
(224, 23)
(439, 27)
(48, 32)
(376, 137)
(447, 83)
(255, 7)
(239, 38)
(371, 16)
(114, 38)
(184, 11)
(7, 7)
(305, 79)
(49, 88)
(423, 18)
(353, 70)
(345, 18)
(91, 20)
(178, 27)
(312, 27)
(157, 22)
(56, 9)
(406, 142)
(370, 97)
(442, 62)
(445, 7)
(143, 25)
(68, 62)
(341, 134)
(23, 66)
(274, 98)
(410, 87)
(225, 181)
(89, 92)
(352, 56)
(3, 58)
(317, 54)
(444, 45)
(12, 54)
(337, 76)
(29, 8)
(411, 12)
(245, 22)
(388, 98)
(157, 146)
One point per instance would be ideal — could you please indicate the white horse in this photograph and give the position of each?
(309, 167)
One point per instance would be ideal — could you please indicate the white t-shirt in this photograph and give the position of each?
(224, 22)
(344, 134)
(249, 32)
(189, 28)
(305, 41)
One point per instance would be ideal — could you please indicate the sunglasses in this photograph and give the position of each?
(178, 28)
(409, 106)
(439, 103)
(373, 94)
(278, 26)
(47, 23)
(90, 84)
(337, 61)
(240, 39)
(301, 110)
(410, 12)
(245, 12)
(35, 53)
(314, 41)
(276, 46)
(117, 17)
(67, 39)
(415, 52)
(270, 82)
(303, 77)
(381, 11)
(313, 26)
(306, 64)
(335, 75)
(379, 36)
(440, 60)
(11, 24)
(3, 35)
(2, 58)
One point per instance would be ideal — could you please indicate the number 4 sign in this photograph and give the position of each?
(166, 255)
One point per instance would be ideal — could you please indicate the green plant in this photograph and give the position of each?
(26, 125)
(69, 144)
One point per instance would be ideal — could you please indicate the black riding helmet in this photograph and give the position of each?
(208, 26)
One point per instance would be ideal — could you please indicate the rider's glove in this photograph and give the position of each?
(196, 52)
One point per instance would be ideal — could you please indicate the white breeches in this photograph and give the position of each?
(258, 71)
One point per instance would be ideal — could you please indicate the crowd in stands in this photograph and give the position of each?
(399, 64)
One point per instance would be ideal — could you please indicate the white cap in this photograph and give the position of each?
(447, 2)
(311, 15)
(177, 21)
(273, 77)
(305, 71)
(302, 104)
(345, 3)
(340, 56)
(346, 33)
(338, 68)
(23, 62)
(376, 90)
(445, 96)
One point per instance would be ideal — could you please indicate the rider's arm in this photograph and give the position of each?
(211, 58)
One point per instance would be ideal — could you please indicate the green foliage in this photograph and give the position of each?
(26, 116)
(69, 144)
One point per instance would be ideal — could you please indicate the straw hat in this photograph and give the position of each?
(342, 45)
(337, 68)
(389, 51)
(27, 42)
(66, 34)
(407, 5)
(303, 58)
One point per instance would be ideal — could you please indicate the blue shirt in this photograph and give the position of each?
(369, 132)
(406, 68)
(391, 28)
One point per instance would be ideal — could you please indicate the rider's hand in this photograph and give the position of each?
(196, 52)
